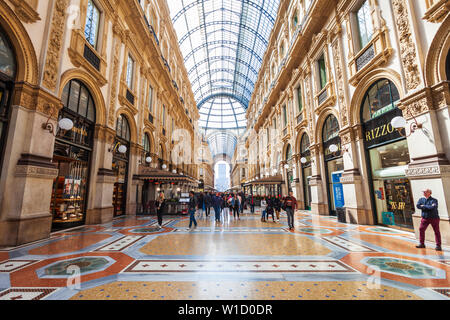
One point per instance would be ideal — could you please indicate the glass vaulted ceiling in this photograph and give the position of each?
(223, 43)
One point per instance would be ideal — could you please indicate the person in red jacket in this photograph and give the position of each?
(290, 205)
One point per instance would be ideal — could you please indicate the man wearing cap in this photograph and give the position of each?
(430, 215)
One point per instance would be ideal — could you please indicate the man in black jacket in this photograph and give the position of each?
(191, 207)
(208, 203)
(430, 215)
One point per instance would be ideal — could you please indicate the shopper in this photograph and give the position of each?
(217, 205)
(201, 205)
(241, 202)
(430, 215)
(236, 205)
(263, 209)
(277, 206)
(160, 205)
(207, 202)
(191, 207)
(252, 203)
(290, 205)
(270, 208)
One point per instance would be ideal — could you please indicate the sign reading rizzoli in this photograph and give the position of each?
(380, 130)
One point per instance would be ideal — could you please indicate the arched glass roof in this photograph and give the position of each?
(223, 43)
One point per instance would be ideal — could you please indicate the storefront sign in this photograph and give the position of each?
(338, 190)
(380, 130)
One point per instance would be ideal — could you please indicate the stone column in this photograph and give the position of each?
(429, 166)
(318, 205)
(100, 206)
(27, 173)
(352, 181)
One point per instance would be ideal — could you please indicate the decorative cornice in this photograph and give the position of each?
(25, 12)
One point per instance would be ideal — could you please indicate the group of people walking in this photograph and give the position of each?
(273, 205)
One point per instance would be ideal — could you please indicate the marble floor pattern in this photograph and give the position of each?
(132, 259)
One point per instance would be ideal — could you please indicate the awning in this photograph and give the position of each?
(266, 181)
(146, 173)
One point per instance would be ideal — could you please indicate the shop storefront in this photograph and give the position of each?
(72, 155)
(305, 160)
(289, 166)
(7, 76)
(120, 165)
(334, 164)
(387, 157)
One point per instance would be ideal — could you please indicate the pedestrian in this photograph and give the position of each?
(191, 207)
(430, 215)
(236, 205)
(263, 209)
(270, 208)
(160, 205)
(201, 205)
(207, 204)
(252, 204)
(241, 201)
(290, 205)
(277, 206)
(217, 205)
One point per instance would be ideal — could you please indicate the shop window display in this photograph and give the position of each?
(120, 166)
(306, 170)
(388, 156)
(72, 155)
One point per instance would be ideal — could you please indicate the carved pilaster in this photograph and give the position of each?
(51, 69)
(407, 47)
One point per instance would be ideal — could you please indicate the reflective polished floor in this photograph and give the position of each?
(130, 258)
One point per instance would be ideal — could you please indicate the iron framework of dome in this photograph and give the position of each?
(223, 43)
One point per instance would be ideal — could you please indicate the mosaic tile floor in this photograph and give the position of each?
(130, 258)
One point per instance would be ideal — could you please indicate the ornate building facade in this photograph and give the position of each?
(114, 69)
(336, 75)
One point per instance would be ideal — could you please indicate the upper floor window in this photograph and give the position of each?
(130, 72)
(150, 99)
(92, 24)
(322, 72)
(300, 99)
(285, 115)
(295, 19)
(146, 144)
(164, 115)
(282, 50)
(364, 22)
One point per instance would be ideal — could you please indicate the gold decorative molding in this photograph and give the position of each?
(340, 82)
(51, 69)
(407, 46)
(25, 11)
(437, 10)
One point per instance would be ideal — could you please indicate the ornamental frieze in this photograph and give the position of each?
(36, 172)
(428, 171)
(340, 82)
(407, 46)
(51, 70)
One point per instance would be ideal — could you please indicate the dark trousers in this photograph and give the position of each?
(160, 216)
(271, 213)
(236, 211)
(217, 212)
(290, 215)
(192, 217)
(424, 225)
(252, 208)
(207, 209)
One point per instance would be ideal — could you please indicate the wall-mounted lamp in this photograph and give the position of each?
(400, 123)
(334, 149)
(303, 160)
(64, 124)
(164, 166)
(118, 147)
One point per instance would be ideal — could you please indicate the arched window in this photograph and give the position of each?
(288, 153)
(7, 57)
(379, 99)
(330, 128)
(146, 144)
(304, 144)
(123, 128)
